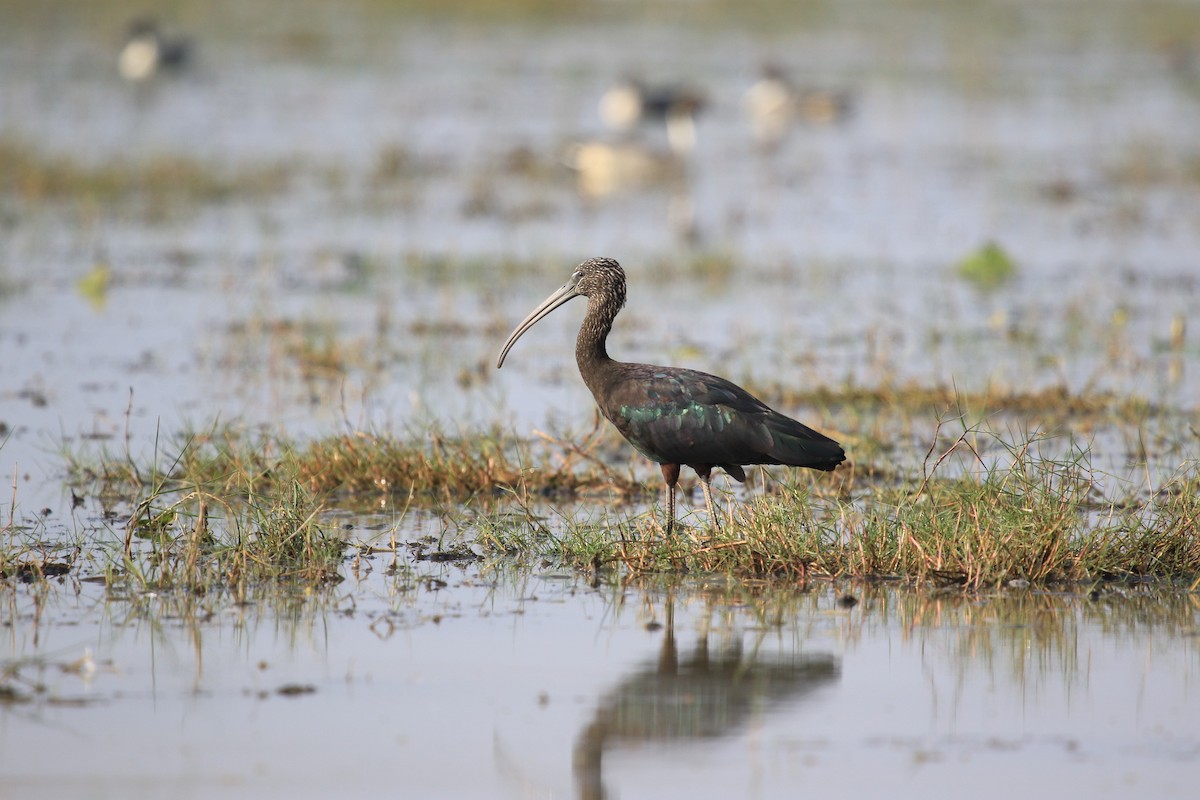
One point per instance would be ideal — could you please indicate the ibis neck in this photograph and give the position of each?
(590, 351)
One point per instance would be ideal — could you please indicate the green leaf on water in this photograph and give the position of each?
(93, 287)
(988, 267)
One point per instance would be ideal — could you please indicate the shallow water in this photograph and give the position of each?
(468, 681)
(424, 209)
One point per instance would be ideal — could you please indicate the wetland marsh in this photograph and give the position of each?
(273, 523)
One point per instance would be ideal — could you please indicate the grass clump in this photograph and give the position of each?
(428, 467)
(452, 467)
(1021, 519)
(1023, 522)
(1157, 537)
(233, 508)
(203, 539)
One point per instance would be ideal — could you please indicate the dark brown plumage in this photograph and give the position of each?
(675, 416)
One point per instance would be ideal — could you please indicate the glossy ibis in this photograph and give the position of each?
(675, 416)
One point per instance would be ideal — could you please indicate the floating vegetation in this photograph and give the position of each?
(988, 267)
(93, 286)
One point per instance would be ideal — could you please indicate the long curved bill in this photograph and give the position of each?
(552, 302)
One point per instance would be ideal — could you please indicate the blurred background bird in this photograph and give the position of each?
(774, 104)
(604, 168)
(147, 52)
(630, 103)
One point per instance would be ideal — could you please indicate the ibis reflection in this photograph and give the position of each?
(701, 694)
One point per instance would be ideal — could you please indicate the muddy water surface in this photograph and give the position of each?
(469, 682)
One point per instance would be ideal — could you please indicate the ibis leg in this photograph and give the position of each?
(671, 476)
(706, 484)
